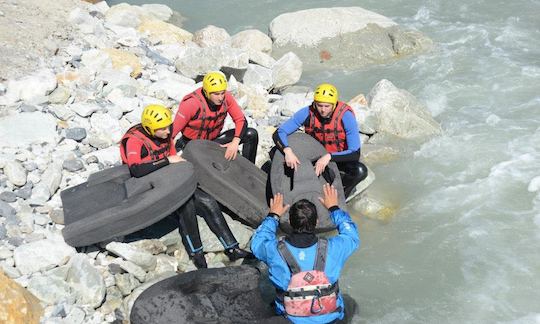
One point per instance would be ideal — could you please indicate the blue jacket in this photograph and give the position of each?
(300, 118)
(340, 247)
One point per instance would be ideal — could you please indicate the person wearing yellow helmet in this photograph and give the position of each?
(201, 115)
(333, 124)
(147, 147)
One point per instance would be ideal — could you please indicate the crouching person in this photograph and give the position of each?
(147, 147)
(304, 268)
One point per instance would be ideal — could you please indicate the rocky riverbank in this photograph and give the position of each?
(78, 75)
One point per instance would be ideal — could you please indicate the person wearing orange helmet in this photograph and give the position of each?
(333, 124)
(147, 147)
(201, 115)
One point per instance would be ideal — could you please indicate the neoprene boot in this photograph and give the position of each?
(236, 253)
(199, 260)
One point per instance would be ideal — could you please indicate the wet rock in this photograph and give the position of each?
(400, 113)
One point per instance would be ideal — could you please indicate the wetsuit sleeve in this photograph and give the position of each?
(352, 133)
(348, 238)
(264, 241)
(237, 116)
(290, 126)
(186, 110)
(137, 168)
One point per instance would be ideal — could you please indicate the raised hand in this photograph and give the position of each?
(276, 205)
(330, 196)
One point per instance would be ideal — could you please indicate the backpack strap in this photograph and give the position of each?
(320, 261)
(288, 257)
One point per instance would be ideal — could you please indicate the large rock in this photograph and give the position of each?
(343, 38)
(287, 70)
(29, 88)
(308, 27)
(21, 130)
(157, 11)
(41, 255)
(121, 59)
(86, 281)
(124, 15)
(161, 32)
(211, 36)
(252, 39)
(17, 305)
(400, 113)
(198, 61)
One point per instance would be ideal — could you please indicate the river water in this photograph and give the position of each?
(464, 245)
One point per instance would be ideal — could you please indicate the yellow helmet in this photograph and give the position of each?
(155, 117)
(214, 82)
(326, 93)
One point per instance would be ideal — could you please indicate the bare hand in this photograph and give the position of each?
(290, 158)
(276, 205)
(175, 159)
(330, 196)
(232, 149)
(321, 163)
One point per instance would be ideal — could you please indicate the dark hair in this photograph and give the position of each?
(303, 216)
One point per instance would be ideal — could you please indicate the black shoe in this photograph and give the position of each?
(199, 261)
(236, 253)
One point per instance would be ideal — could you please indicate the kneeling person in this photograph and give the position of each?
(147, 147)
(201, 115)
(332, 123)
(301, 260)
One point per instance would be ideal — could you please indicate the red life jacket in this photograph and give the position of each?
(309, 293)
(206, 124)
(331, 134)
(155, 152)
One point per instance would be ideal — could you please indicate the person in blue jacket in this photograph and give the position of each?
(333, 124)
(301, 260)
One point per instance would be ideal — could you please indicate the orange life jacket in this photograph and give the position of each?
(155, 152)
(206, 124)
(309, 293)
(330, 134)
